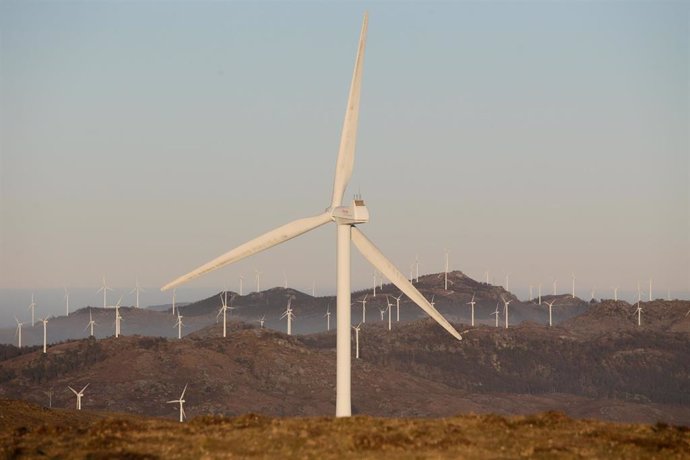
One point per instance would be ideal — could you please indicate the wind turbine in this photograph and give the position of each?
(257, 273)
(496, 313)
(639, 313)
(261, 321)
(364, 308)
(45, 334)
(66, 298)
(181, 402)
(390, 308)
(650, 289)
(104, 288)
(555, 286)
(397, 306)
(356, 328)
(550, 304)
(472, 303)
(18, 332)
(289, 315)
(223, 311)
(79, 394)
(615, 293)
(374, 283)
(383, 313)
(90, 324)
(137, 289)
(345, 218)
(179, 324)
(173, 301)
(505, 309)
(32, 307)
(507, 281)
(118, 318)
(328, 318)
(445, 272)
(573, 285)
(241, 283)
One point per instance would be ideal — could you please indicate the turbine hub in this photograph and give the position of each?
(356, 213)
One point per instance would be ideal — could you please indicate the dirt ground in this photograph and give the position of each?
(29, 431)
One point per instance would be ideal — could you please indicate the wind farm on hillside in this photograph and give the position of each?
(421, 363)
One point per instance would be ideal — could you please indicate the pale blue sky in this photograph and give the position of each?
(140, 139)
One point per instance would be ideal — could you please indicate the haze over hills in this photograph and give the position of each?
(309, 311)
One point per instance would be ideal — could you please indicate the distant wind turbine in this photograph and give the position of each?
(639, 313)
(173, 301)
(18, 332)
(104, 288)
(471, 303)
(383, 313)
(505, 309)
(223, 311)
(32, 307)
(118, 318)
(66, 299)
(179, 325)
(79, 394)
(328, 318)
(356, 328)
(364, 308)
(397, 306)
(555, 286)
(416, 262)
(90, 324)
(390, 313)
(507, 281)
(550, 304)
(445, 272)
(346, 218)
(137, 289)
(573, 293)
(261, 321)
(241, 284)
(615, 293)
(539, 293)
(496, 314)
(289, 315)
(650, 289)
(45, 334)
(181, 402)
(374, 283)
(258, 280)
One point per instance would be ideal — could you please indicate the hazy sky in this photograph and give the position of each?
(141, 139)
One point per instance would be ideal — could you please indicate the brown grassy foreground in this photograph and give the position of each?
(29, 431)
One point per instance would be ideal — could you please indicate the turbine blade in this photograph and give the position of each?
(73, 390)
(348, 137)
(183, 391)
(386, 267)
(263, 242)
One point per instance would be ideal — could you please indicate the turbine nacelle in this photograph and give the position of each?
(356, 213)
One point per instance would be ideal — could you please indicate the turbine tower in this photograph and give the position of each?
(173, 301)
(397, 307)
(650, 289)
(505, 309)
(638, 311)
(257, 273)
(79, 394)
(496, 314)
(241, 283)
(179, 324)
(364, 308)
(356, 328)
(328, 318)
(181, 402)
(32, 307)
(289, 315)
(223, 311)
(445, 272)
(615, 293)
(374, 283)
(390, 312)
(18, 332)
(137, 289)
(104, 288)
(45, 334)
(550, 304)
(90, 324)
(118, 318)
(346, 218)
(66, 299)
(472, 303)
(573, 294)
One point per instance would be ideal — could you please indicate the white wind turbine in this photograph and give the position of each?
(650, 289)
(390, 313)
(79, 394)
(90, 324)
(257, 273)
(261, 321)
(472, 303)
(397, 307)
(507, 281)
(223, 311)
(573, 293)
(118, 317)
(137, 289)
(289, 315)
(241, 283)
(104, 288)
(179, 324)
(374, 283)
(496, 314)
(345, 218)
(639, 313)
(550, 304)
(173, 301)
(181, 402)
(18, 332)
(615, 293)
(505, 309)
(328, 318)
(364, 308)
(555, 286)
(356, 328)
(45, 334)
(445, 272)
(32, 307)
(383, 313)
(416, 263)
(66, 299)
